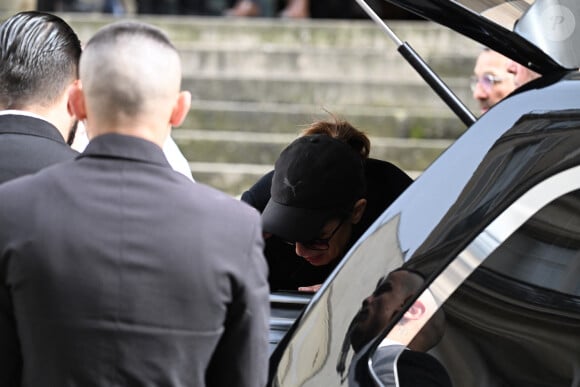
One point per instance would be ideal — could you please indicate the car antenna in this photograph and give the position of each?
(423, 69)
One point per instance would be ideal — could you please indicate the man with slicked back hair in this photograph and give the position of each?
(39, 56)
(133, 275)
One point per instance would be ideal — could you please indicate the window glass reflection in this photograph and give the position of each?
(515, 320)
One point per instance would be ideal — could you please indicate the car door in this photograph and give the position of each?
(511, 298)
(475, 181)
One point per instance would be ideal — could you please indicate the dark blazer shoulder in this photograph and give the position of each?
(386, 176)
(385, 182)
(28, 145)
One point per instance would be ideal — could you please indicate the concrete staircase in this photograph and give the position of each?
(257, 82)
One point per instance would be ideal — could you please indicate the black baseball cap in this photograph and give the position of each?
(315, 178)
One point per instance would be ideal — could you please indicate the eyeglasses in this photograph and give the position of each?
(487, 81)
(319, 244)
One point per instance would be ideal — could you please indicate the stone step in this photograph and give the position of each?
(318, 92)
(234, 179)
(418, 123)
(424, 36)
(324, 63)
(323, 48)
(263, 148)
(256, 83)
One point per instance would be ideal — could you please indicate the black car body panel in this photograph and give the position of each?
(532, 135)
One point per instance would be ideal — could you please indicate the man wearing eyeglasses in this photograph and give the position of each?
(491, 81)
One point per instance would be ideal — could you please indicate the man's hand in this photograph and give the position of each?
(309, 289)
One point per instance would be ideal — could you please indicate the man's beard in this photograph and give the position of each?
(71, 134)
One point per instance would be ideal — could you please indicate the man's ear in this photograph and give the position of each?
(416, 311)
(76, 101)
(180, 109)
(358, 210)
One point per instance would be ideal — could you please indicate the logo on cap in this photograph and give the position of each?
(287, 183)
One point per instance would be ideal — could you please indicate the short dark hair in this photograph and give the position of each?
(39, 57)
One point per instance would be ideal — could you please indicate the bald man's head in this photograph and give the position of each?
(130, 74)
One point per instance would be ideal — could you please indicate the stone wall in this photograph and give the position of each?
(12, 6)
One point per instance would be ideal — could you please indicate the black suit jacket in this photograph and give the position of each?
(28, 144)
(116, 270)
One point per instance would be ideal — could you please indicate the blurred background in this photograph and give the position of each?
(258, 80)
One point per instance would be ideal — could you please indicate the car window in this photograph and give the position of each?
(511, 300)
(521, 158)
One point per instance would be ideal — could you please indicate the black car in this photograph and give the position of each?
(493, 227)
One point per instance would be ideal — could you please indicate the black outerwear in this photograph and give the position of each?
(28, 144)
(395, 365)
(115, 270)
(413, 369)
(287, 271)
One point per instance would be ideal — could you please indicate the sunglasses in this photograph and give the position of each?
(487, 81)
(319, 244)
